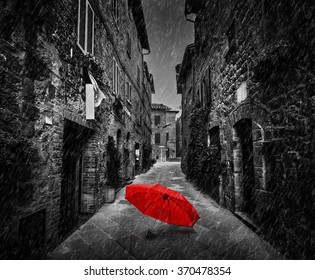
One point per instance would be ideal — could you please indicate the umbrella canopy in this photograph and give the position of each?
(162, 203)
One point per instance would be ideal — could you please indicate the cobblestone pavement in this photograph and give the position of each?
(118, 230)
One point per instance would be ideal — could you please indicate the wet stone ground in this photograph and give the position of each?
(118, 231)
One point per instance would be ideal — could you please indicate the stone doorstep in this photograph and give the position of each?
(246, 219)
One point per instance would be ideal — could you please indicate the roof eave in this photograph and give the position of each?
(187, 61)
(138, 15)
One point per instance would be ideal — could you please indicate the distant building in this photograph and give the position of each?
(76, 111)
(163, 132)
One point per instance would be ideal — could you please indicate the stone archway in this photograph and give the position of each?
(247, 123)
(244, 176)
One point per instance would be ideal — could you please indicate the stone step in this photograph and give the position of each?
(247, 220)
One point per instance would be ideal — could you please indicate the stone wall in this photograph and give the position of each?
(261, 87)
(187, 107)
(43, 75)
(178, 137)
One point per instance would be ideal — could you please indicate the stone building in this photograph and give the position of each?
(250, 69)
(75, 114)
(163, 132)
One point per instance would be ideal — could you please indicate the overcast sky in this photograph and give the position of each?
(169, 34)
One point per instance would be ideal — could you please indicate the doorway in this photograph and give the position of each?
(74, 140)
(244, 176)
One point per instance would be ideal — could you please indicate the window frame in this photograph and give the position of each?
(203, 90)
(115, 10)
(128, 92)
(159, 138)
(138, 75)
(129, 43)
(157, 117)
(87, 6)
(116, 77)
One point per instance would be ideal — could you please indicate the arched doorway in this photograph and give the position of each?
(244, 175)
(247, 124)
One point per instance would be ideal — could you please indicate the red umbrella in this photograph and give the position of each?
(163, 204)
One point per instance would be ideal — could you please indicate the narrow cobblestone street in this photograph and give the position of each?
(118, 230)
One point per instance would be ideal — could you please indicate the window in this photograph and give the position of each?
(128, 45)
(202, 95)
(127, 7)
(157, 138)
(231, 34)
(138, 74)
(85, 27)
(198, 96)
(207, 85)
(232, 42)
(115, 10)
(157, 120)
(214, 134)
(128, 91)
(116, 71)
(167, 136)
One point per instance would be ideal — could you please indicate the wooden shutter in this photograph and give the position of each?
(208, 87)
(157, 120)
(138, 74)
(81, 23)
(128, 45)
(114, 75)
(118, 80)
(90, 30)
